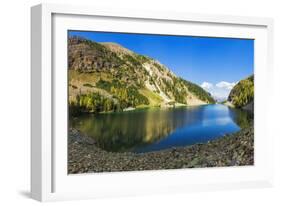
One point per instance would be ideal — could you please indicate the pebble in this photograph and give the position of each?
(230, 150)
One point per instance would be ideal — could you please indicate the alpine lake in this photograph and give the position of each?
(154, 129)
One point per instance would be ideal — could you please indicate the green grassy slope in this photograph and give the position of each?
(108, 77)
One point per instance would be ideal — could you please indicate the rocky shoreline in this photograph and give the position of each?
(235, 149)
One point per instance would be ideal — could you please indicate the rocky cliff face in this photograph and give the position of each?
(121, 75)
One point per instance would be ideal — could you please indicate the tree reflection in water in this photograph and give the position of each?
(134, 130)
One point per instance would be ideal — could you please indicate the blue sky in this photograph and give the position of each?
(214, 63)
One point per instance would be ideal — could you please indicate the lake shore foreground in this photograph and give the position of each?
(235, 149)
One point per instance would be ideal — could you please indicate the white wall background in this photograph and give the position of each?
(15, 95)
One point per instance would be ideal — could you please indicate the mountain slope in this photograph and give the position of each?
(242, 94)
(107, 76)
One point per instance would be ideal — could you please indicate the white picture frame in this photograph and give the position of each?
(49, 179)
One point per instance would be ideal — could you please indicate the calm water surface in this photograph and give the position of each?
(157, 129)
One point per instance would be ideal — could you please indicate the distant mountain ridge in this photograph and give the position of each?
(120, 78)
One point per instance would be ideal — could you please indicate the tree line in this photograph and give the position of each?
(122, 97)
(242, 93)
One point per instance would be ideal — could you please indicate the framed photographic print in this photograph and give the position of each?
(137, 102)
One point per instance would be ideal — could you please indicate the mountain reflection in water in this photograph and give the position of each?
(156, 129)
